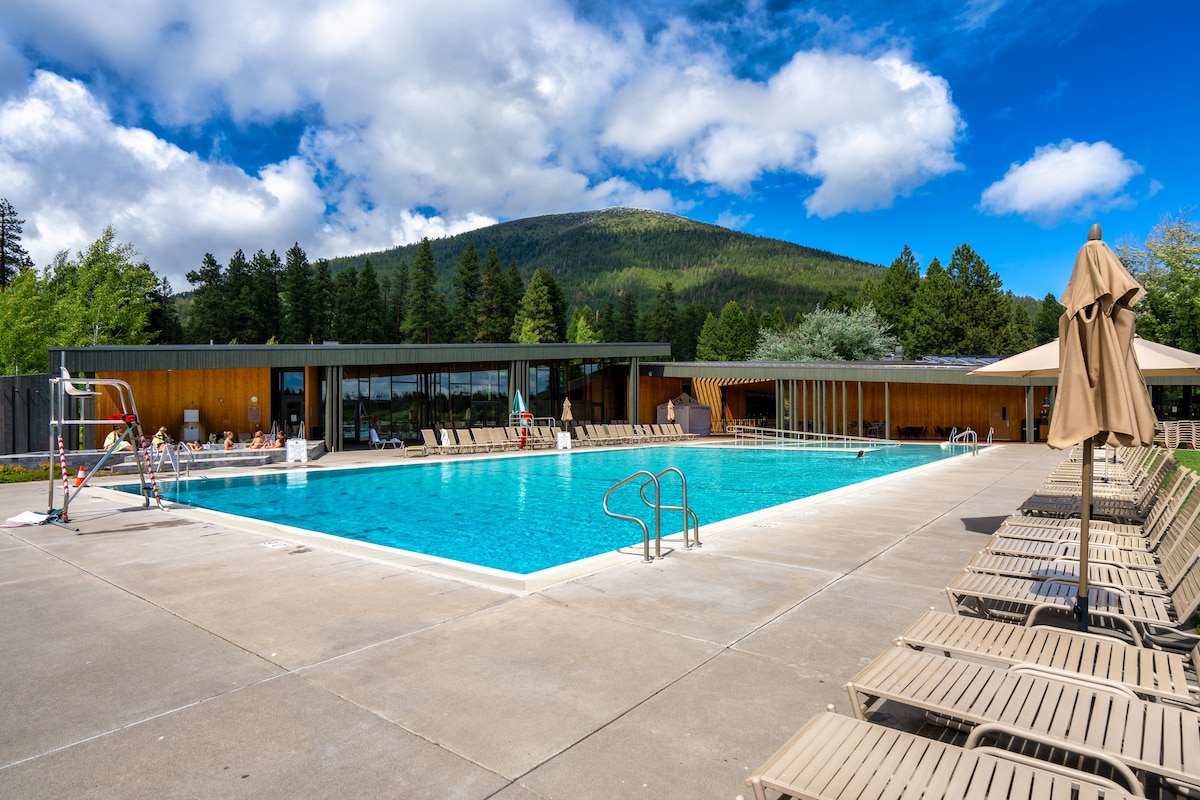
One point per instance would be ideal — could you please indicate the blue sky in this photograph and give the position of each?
(354, 125)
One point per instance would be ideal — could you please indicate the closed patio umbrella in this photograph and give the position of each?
(566, 411)
(670, 411)
(1102, 395)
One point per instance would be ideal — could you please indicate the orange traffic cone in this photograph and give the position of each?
(79, 478)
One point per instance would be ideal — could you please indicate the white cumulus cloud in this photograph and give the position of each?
(868, 130)
(1066, 179)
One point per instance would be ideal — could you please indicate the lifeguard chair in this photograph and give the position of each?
(67, 391)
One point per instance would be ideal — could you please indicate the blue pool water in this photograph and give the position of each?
(529, 513)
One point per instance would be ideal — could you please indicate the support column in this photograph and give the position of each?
(804, 419)
(518, 381)
(861, 432)
(1030, 420)
(634, 395)
(333, 409)
(887, 410)
(780, 388)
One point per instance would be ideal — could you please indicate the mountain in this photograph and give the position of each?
(595, 255)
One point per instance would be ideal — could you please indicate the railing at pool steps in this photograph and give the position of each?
(656, 504)
(778, 437)
(968, 438)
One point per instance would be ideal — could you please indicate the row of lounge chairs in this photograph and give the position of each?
(452, 441)
(1018, 706)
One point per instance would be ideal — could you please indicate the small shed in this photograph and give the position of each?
(693, 416)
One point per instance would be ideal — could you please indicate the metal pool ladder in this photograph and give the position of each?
(656, 504)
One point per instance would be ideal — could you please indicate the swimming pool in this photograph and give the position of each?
(529, 513)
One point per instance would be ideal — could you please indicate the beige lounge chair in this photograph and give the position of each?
(840, 758)
(1150, 673)
(1108, 724)
(433, 443)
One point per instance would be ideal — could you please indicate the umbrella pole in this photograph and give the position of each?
(1085, 519)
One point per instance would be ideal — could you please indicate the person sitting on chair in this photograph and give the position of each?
(114, 437)
(161, 438)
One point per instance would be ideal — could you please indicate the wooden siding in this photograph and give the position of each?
(222, 396)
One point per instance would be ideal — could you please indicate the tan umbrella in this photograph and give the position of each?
(1102, 395)
(566, 411)
(670, 411)
(1042, 362)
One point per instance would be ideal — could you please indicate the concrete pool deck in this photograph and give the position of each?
(158, 655)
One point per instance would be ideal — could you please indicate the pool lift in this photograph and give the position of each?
(67, 391)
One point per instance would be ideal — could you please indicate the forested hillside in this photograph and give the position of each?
(596, 255)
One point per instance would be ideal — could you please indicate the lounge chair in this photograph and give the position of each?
(434, 444)
(1107, 724)
(839, 758)
(380, 444)
(1149, 673)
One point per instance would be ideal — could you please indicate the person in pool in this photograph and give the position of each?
(230, 442)
(861, 453)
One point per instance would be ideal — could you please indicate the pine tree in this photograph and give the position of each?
(1017, 333)
(929, 331)
(324, 295)
(298, 311)
(238, 303)
(164, 317)
(660, 321)
(708, 345)
(495, 315)
(467, 287)
(980, 305)
(425, 308)
(265, 307)
(534, 322)
(1045, 325)
(13, 257)
(608, 321)
(368, 303)
(558, 304)
(627, 318)
(399, 298)
(893, 297)
(690, 323)
(208, 321)
(516, 286)
(347, 320)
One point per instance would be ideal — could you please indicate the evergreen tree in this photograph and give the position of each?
(395, 313)
(13, 257)
(736, 338)
(495, 315)
(368, 302)
(689, 323)
(708, 344)
(238, 300)
(627, 318)
(608, 321)
(534, 322)
(929, 331)
(980, 305)
(164, 317)
(468, 288)
(585, 326)
(516, 286)
(324, 295)
(298, 301)
(558, 303)
(836, 300)
(1045, 325)
(265, 308)
(660, 321)
(893, 298)
(425, 308)
(207, 321)
(1017, 334)
(348, 325)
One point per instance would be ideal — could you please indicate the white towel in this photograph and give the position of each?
(25, 518)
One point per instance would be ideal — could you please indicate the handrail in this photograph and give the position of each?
(687, 512)
(657, 515)
(967, 437)
(779, 436)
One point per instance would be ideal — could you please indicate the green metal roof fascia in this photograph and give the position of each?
(163, 357)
